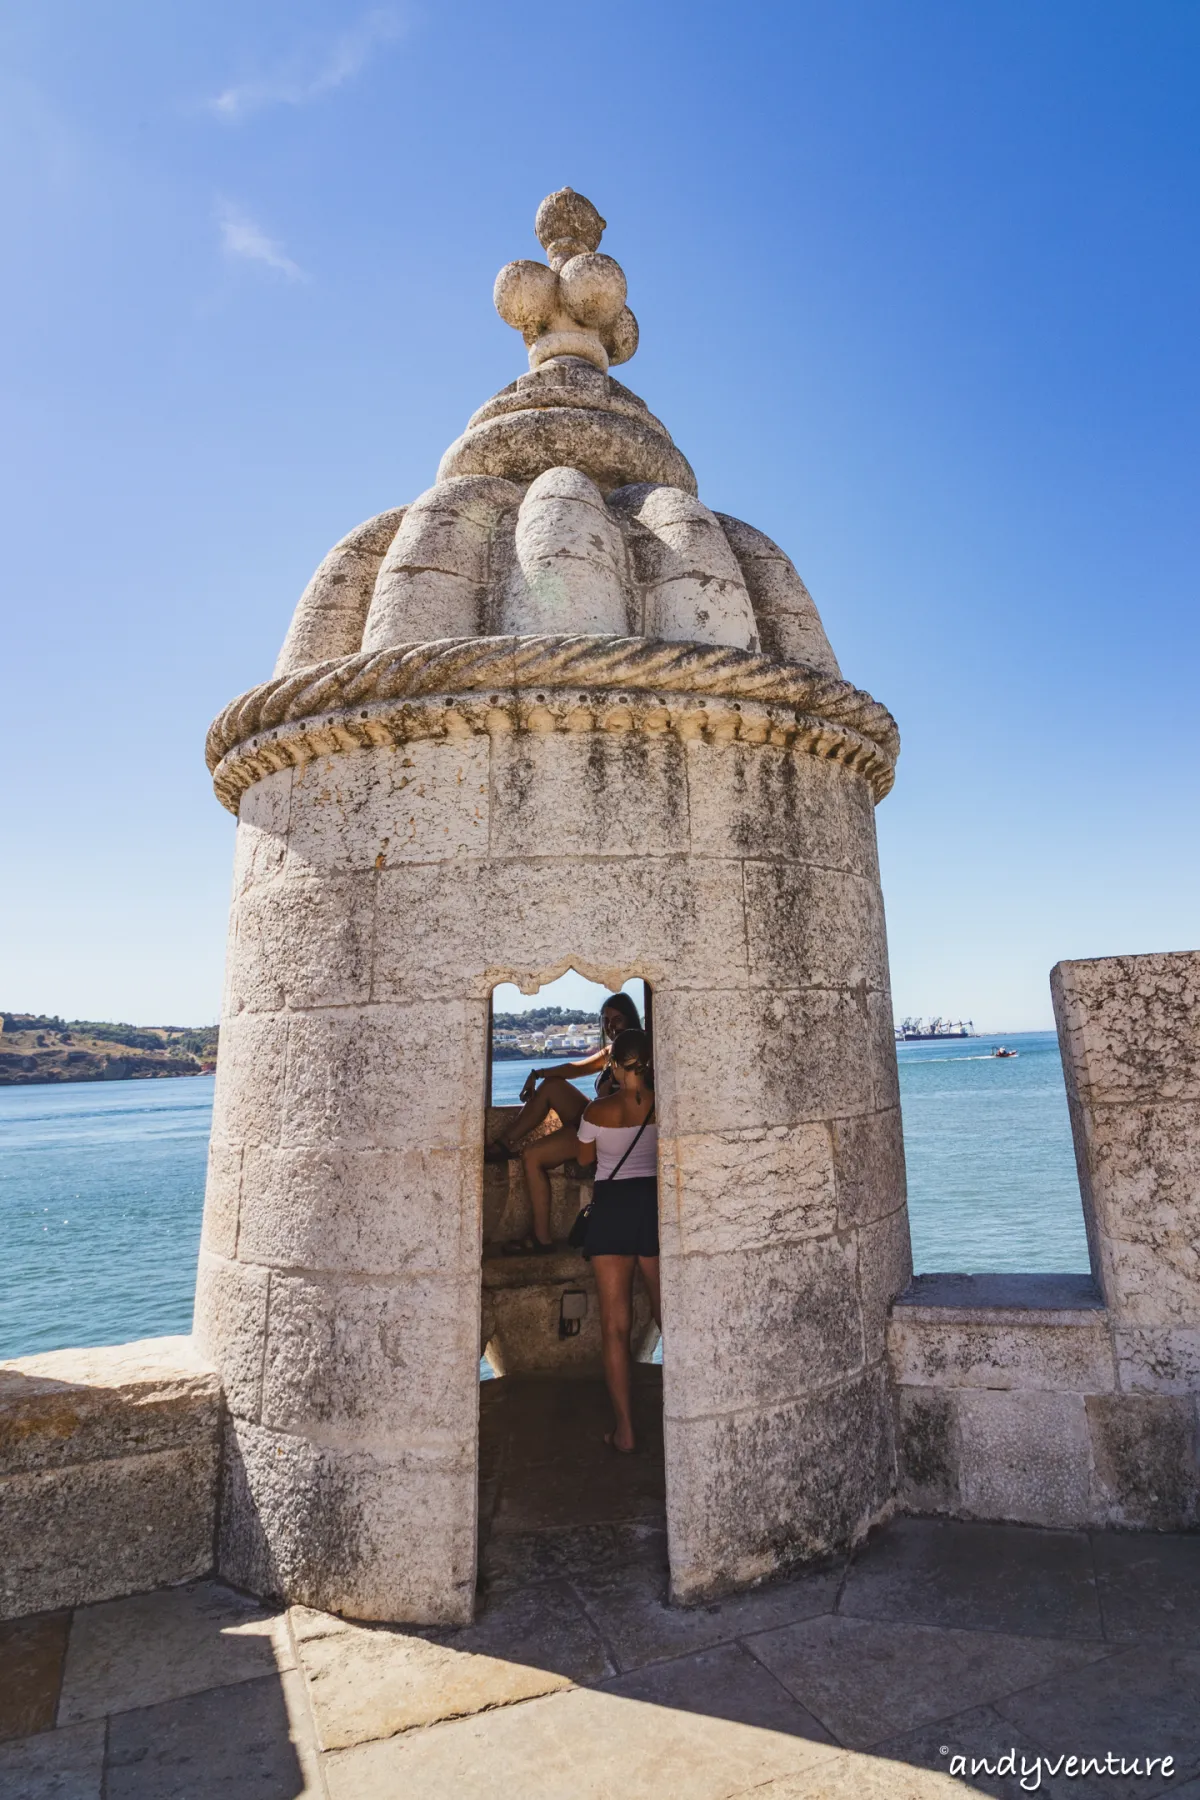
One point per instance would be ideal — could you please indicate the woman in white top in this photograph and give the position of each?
(619, 1135)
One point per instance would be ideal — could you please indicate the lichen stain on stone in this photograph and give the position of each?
(925, 1444)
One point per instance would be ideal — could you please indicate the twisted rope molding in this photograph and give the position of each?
(413, 690)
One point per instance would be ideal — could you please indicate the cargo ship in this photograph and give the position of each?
(915, 1031)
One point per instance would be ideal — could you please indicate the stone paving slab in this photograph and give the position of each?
(252, 1738)
(371, 1682)
(588, 1745)
(1149, 1587)
(868, 1679)
(629, 1607)
(1012, 1578)
(725, 1683)
(55, 1765)
(157, 1647)
(32, 1652)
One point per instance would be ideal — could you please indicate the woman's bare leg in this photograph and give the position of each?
(538, 1158)
(649, 1268)
(614, 1283)
(555, 1094)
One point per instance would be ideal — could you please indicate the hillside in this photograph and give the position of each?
(37, 1048)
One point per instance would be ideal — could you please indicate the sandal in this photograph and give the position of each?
(499, 1152)
(527, 1246)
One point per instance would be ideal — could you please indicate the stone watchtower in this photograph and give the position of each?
(555, 713)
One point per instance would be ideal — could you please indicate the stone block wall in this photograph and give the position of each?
(380, 894)
(108, 1473)
(1064, 1400)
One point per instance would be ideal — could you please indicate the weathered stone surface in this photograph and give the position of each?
(332, 611)
(766, 801)
(780, 1058)
(381, 1212)
(347, 1531)
(1026, 1352)
(301, 944)
(745, 1190)
(262, 831)
(813, 927)
(693, 588)
(568, 570)
(1128, 1027)
(32, 1653)
(884, 1270)
(370, 1684)
(231, 1325)
(222, 1197)
(1023, 1456)
(368, 809)
(787, 619)
(255, 1735)
(386, 1077)
(67, 1407)
(593, 794)
(869, 1678)
(624, 1746)
(763, 1326)
(868, 1156)
(766, 1490)
(150, 1648)
(379, 1363)
(993, 1299)
(116, 1526)
(1143, 1181)
(928, 1453)
(432, 582)
(58, 1765)
(1158, 1359)
(248, 1099)
(447, 929)
(1146, 1453)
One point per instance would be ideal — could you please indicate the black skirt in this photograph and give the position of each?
(623, 1220)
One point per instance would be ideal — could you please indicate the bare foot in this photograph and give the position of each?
(620, 1440)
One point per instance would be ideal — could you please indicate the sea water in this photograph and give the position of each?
(101, 1185)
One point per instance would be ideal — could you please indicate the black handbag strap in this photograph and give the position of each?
(632, 1147)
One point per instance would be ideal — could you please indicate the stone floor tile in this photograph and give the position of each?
(57, 1765)
(518, 1559)
(848, 1775)
(543, 1626)
(155, 1647)
(601, 1492)
(249, 1739)
(1149, 1585)
(725, 1683)
(582, 1745)
(980, 1734)
(869, 1679)
(373, 1681)
(31, 1665)
(1144, 1701)
(1013, 1578)
(629, 1607)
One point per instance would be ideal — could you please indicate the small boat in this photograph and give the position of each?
(1001, 1051)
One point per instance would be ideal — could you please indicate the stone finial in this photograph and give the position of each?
(576, 305)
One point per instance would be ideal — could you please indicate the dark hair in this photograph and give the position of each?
(635, 1046)
(624, 1005)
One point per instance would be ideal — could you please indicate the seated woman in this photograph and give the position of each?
(552, 1090)
(619, 1134)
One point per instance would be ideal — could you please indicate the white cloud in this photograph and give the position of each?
(302, 79)
(240, 236)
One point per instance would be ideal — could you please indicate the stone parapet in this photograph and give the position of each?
(1013, 1403)
(108, 1472)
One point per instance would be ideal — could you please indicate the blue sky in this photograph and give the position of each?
(918, 292)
